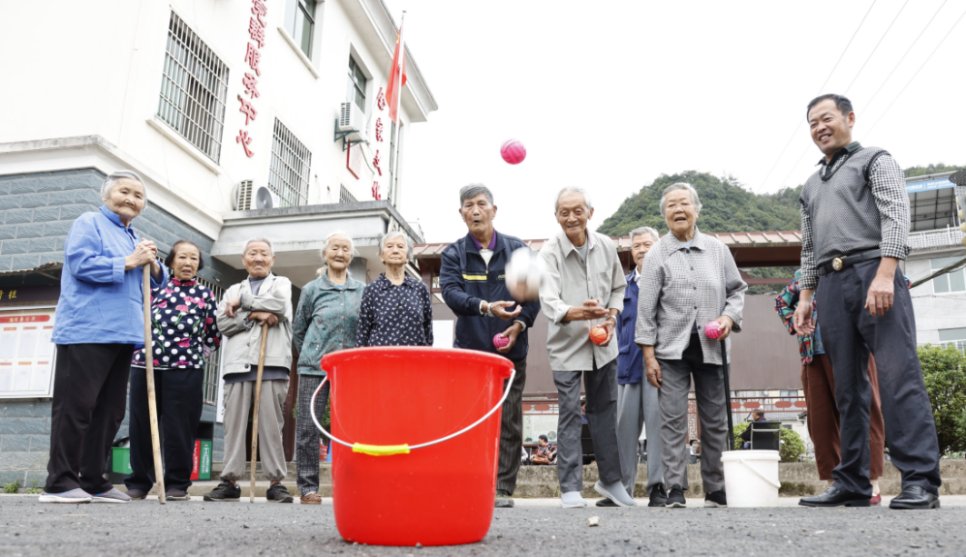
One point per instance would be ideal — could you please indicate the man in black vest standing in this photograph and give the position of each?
(472, 278)
(855, 226)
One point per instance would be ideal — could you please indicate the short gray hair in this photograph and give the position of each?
(325, 245)
(472, 190)
(642, 230)
(257, 241)
(114, 177)
(571, 189)
(397, 234)
(682, 186)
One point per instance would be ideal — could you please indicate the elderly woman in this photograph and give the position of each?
(396, 308)
(325, 321)
(98, 324)
(688, 280)
(185, 332)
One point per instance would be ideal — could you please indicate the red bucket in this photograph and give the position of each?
(399, 474)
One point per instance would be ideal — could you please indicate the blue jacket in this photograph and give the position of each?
(630, 359)
(466, 280)
(100, 302)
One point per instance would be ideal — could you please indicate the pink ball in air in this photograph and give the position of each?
(500, 340)
(712, 330)
(513, 151)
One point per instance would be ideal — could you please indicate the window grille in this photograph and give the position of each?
(288, 175)
(194, 86)
(345, 196)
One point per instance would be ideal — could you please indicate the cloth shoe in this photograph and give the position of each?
(225, 491)
(657, 496)
(572, 500)
(136, 494)
(278, 493)
(112, 495)
(176, 495)
(605, 502)
(616, 493)
(875, 500)
(675, 498)
(716, 499)
(76, 495)
(311, 498)
(503, 500)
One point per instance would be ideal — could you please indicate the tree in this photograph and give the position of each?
(944, 372)
(790, 447)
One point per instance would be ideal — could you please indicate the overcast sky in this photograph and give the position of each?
(608, 95)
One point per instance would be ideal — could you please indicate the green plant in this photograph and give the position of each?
(12, 487)
(944, 372)
(790, 447)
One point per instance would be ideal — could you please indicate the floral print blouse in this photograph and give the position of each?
(394, 315)
(183, 324)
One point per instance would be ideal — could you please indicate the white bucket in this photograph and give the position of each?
(751, 478)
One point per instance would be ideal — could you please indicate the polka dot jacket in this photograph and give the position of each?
(183, 324)
(394, 315)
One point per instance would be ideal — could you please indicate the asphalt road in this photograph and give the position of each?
(235, 529)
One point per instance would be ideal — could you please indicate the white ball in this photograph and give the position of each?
(524, 274)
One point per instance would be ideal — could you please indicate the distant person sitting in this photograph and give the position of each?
(756, 416)
(544, 453)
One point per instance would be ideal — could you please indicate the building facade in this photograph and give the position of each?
(246, 118)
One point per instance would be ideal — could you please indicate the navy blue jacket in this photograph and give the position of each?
(630, 359)
(466, 280)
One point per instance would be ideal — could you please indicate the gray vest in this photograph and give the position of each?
(843, 212)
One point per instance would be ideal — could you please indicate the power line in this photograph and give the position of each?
(876, 47)
(904, 54)
(821, 89)
(921, 66)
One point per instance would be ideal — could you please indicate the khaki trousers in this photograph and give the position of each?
(238, 402)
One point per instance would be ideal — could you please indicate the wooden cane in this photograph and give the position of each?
(149, 376)
(258, 399)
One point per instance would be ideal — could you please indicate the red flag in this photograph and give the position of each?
(397, 77)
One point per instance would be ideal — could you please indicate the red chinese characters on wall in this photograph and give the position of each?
(380, 139)
(253, 57)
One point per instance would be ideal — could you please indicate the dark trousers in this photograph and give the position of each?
(823, 417)
(600, 386)
(511, 432)
(307, 436)
(850, 334)
(88, 406)
(179, 400)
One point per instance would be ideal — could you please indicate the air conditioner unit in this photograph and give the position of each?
(248, 197)
(350, 118)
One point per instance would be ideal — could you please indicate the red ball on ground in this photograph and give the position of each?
(513, 151)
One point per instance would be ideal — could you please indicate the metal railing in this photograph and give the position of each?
(933, 239)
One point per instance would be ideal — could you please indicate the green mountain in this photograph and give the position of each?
(726, 207)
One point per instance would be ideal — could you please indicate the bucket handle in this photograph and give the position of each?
(405, 448)
(773, 483)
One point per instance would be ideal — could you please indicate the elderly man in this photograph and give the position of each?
(473, 285)
(855, 226)
(689, 280)
(260, 299)
(584, 287)
(637, 400)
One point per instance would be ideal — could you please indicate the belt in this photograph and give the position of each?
(842, 262)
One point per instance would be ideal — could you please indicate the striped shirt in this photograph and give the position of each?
(684, 285)
(856, 202)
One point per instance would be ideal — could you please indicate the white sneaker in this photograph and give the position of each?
(111, 496)
(76, 495)
(616, 492)
(572, 500)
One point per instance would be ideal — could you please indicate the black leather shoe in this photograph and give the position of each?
(915, 497)
(835, 497)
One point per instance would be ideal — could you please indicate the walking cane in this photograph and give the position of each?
(149, 377)
(258, 398)
(727, 390)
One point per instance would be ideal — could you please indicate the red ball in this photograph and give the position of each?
(513, 151)
(598, 335)
(500, 340)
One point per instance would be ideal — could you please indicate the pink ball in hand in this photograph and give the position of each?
(500, 340)
(712, 330)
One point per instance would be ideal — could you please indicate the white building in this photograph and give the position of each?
(226, 108)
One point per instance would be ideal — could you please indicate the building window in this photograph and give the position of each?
(953, 281)
(288, 175)
(953, 337)
(193, 89)
(357, 84)
(301, 24)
